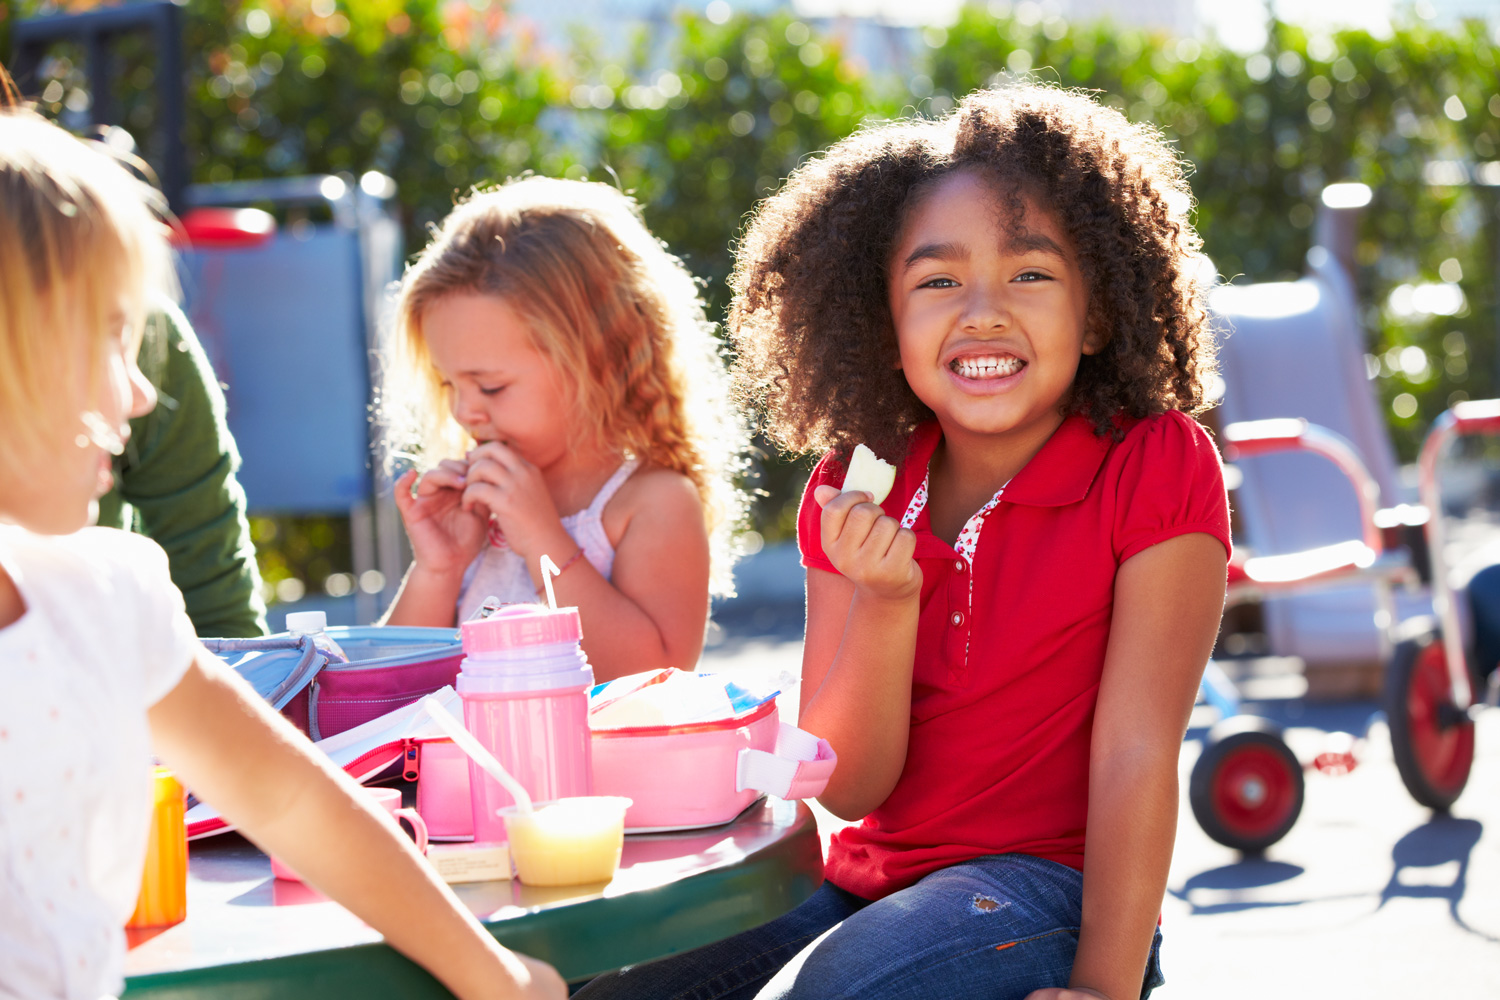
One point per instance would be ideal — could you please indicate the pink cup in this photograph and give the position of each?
(388, 799)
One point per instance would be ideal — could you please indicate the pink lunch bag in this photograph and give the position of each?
(388, 667)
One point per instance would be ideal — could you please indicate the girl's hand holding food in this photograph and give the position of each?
(867, 546)
(445, 533)
(512, 490)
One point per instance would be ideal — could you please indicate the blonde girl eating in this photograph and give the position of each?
(556, 377)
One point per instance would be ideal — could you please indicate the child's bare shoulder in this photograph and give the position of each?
(652, 495)
(660, 491)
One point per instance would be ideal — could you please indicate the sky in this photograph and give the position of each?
(1240, 24)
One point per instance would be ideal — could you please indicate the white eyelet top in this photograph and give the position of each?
(103, 638)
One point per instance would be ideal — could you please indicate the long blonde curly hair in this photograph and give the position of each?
(620, 317)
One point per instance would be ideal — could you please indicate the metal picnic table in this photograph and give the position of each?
(248, 935)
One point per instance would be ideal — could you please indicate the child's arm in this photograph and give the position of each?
(861, 643)
(653, 610)
(1168, 600)
(263, 776)
(445, 537)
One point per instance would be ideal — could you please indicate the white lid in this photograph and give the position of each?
(306, 622)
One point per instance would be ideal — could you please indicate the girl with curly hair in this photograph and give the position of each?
(1003, 651)
(555, 372)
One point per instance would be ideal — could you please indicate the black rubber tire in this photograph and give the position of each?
(1228, 742)
(1410, 735)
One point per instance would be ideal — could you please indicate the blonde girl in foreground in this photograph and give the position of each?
(97, 657)
(556, 376)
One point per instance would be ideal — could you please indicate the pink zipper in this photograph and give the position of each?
(407, 749)
(390, 751)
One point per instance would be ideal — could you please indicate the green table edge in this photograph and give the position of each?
(579, 939)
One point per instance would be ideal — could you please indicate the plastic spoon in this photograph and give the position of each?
(466, 741)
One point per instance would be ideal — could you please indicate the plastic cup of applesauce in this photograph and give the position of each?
(571, 841)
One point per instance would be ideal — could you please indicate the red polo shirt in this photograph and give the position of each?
(1011, 638)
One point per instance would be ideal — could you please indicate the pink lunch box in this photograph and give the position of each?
(704, 774)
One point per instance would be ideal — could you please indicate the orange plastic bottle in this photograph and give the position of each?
(163, 899)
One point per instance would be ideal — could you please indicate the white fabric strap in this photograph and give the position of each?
(798, 769)
(796, 743)
(764, 772)
(612, 486)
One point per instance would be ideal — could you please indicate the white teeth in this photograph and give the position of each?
(988, 367)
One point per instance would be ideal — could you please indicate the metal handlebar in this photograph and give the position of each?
(1264, 437)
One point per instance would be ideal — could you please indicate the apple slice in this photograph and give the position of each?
(868, 473)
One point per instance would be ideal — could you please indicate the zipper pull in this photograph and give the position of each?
(411, 759)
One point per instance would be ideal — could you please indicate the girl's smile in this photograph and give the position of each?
(990, 312)
(982, 368)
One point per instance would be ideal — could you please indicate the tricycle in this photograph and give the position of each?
(1247, 786)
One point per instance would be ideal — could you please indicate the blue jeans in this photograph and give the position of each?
(995, 927)
(1484, 601)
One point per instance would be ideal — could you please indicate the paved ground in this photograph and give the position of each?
(1370, 895)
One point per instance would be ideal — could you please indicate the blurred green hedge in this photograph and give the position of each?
(701, 119)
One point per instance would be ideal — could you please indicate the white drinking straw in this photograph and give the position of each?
(549, 570)
(476, 750)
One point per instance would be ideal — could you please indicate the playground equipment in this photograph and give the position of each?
(1312, 468)
(296, 363)
(1325, 545)
(1295, 349)
(1432, 682)
(1247, 786)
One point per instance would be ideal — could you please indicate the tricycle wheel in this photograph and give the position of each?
(1246, 789)
(1431, 738)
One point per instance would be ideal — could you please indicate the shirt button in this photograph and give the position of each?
(958, 618)
(958, 565)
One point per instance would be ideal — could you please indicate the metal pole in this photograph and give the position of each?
(171, 103)
(1337, 227)
(96, 30)
(96, 47)
(24, 66)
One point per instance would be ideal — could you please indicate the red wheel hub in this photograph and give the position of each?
(1444, 752)
(1253, 792)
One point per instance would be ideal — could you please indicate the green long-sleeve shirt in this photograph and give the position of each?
(176, 484)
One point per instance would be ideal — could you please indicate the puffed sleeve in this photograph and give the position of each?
(167, 642)
(1171, 482)
(829, 472)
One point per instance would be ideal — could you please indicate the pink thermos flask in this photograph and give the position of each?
(525, 685)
